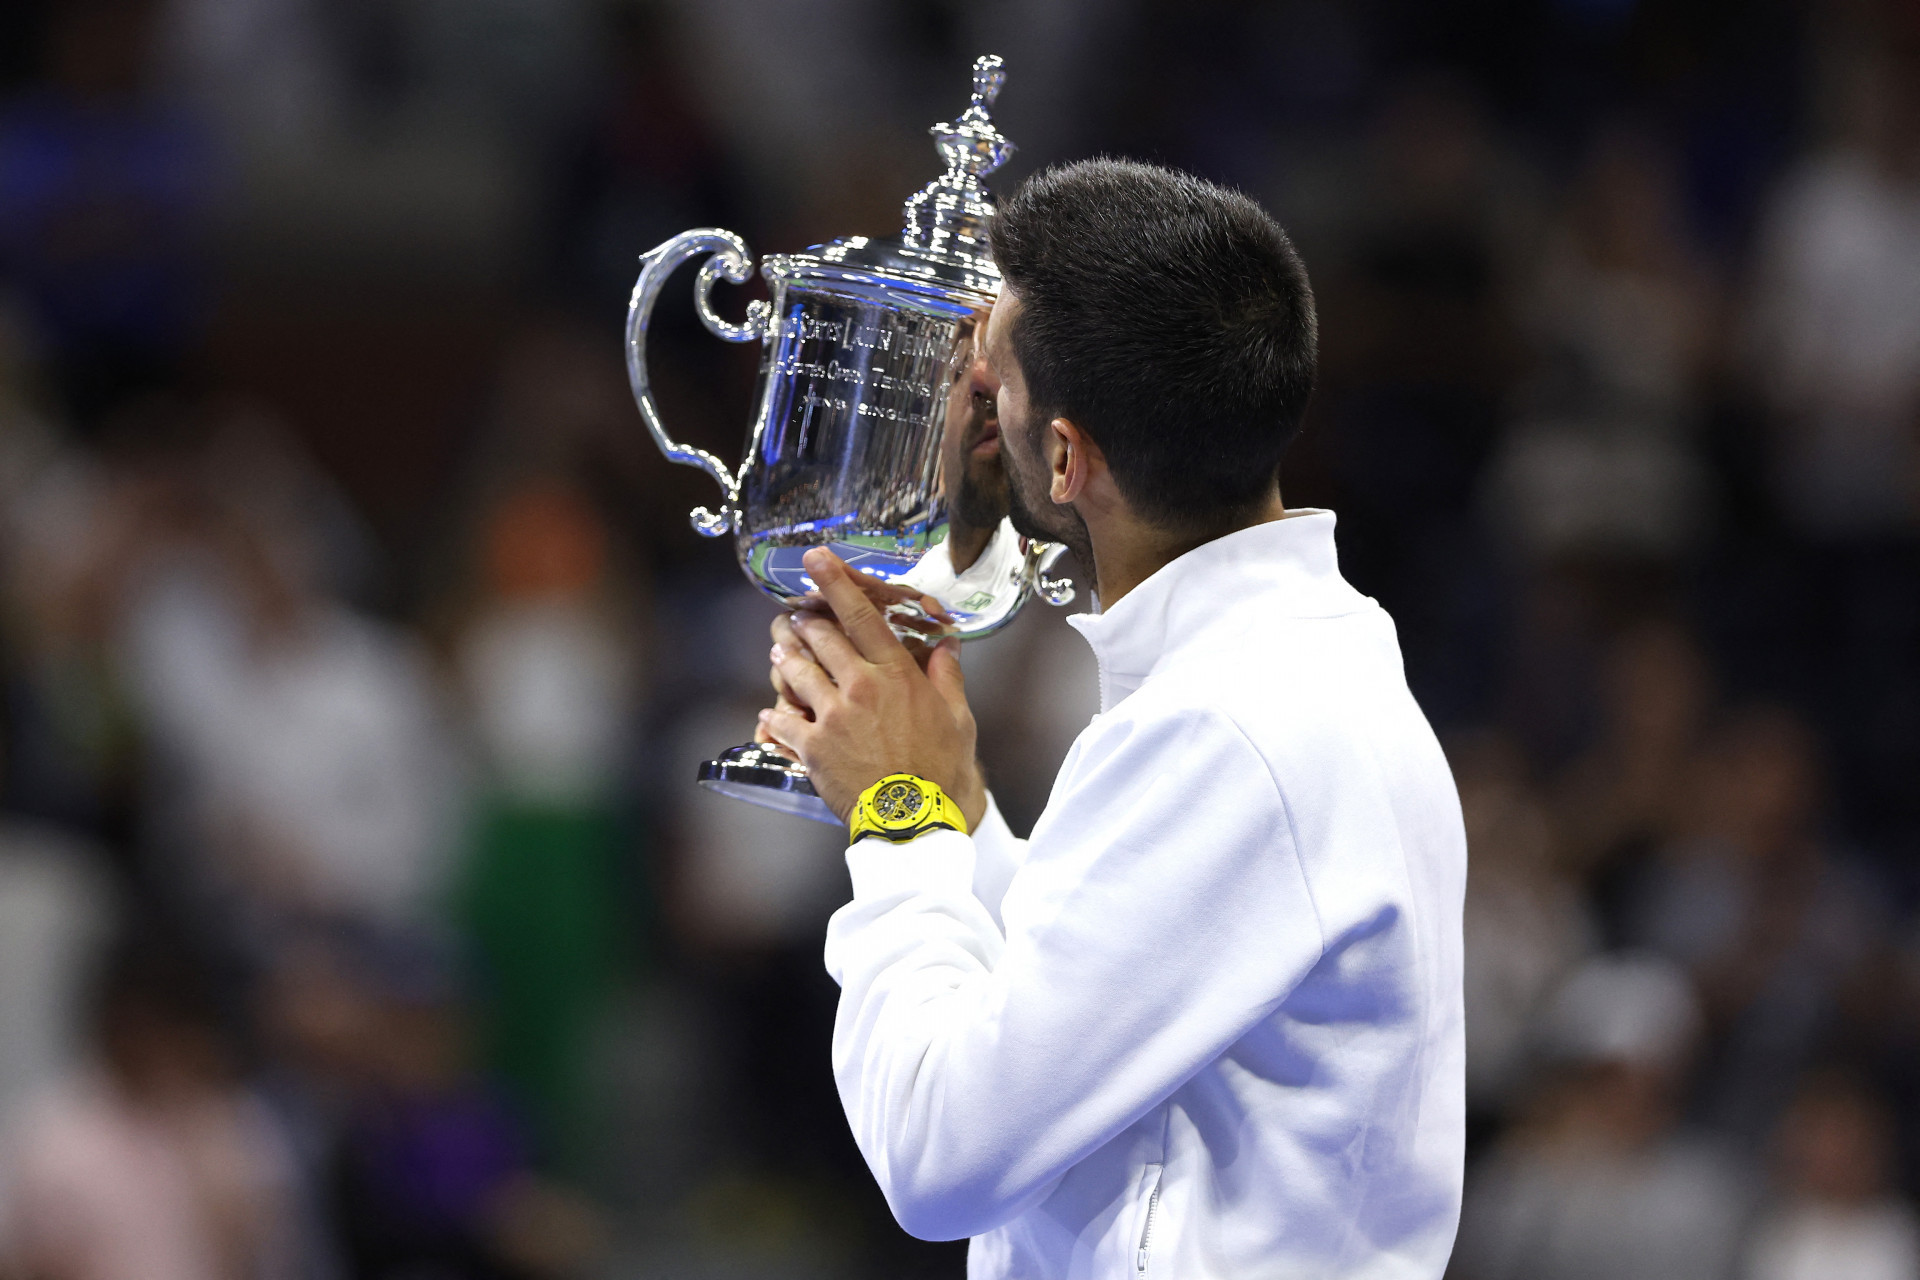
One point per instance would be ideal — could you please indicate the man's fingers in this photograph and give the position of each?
(786, 728)
(819, 634)
(936, 610)
(790, 640)
(764, 736)
(811, 687)
(856, 614)
(943, 669)
(783, 703)
(816, 635)
(882, 593)
(784, 638)
(787, 702)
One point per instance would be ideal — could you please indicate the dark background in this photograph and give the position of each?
(357, 654)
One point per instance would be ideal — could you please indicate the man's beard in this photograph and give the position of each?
(1031, 508)
(980, 499)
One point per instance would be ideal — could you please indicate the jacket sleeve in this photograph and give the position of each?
(1161, 912)
(997, 854)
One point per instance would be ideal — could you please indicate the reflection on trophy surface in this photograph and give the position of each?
(971, 458)
(981, 551)
(872, 436)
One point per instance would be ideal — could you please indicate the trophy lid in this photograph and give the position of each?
(944, 240)
(949, 216)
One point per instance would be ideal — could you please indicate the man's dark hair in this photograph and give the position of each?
(1171, 320)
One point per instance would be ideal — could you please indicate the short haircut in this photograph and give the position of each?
(1171, 320)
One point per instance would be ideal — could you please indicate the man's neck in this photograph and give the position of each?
(1128, 551)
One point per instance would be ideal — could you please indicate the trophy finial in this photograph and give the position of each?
(950, 215)
(989, 73)
(970, 144)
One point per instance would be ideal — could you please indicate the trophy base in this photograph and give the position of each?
(758, 774)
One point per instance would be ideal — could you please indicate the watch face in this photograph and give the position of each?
(899, 804)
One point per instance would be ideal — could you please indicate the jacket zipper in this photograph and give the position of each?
(1146, 1229)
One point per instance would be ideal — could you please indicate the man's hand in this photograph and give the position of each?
(884, 595)
(856, 706)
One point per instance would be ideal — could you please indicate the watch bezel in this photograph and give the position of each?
(925, 801)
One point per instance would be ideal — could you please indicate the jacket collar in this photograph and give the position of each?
(1285, 568)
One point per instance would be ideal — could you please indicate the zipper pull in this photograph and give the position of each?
(1146, 1228)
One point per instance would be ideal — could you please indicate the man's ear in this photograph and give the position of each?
(1072, 457)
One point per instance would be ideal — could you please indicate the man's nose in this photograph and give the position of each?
(984, 383)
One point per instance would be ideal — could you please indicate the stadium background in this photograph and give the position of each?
(356, 653)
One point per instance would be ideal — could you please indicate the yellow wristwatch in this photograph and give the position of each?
(901, 807)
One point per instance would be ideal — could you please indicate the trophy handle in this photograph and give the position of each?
(1057, 592)
(730, 260)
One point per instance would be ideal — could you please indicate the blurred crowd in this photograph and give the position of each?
(359, 916)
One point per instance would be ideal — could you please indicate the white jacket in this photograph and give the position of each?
(1207, 1022)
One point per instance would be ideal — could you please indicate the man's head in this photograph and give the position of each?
(1167, 319)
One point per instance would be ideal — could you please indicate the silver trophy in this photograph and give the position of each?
(866, 416)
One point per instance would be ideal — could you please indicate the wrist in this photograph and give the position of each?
(971, 795)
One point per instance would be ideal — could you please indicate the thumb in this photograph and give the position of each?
(943, 669)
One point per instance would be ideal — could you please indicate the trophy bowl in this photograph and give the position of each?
(864, 412)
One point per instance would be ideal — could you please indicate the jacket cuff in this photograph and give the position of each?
(939, 861)
(994, 836)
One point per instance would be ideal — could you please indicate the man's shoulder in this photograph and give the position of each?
(1182, 722)
(1298, 678)
(1156, 734)
(1324, 705)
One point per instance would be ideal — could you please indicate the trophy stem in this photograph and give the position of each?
(758, 774)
